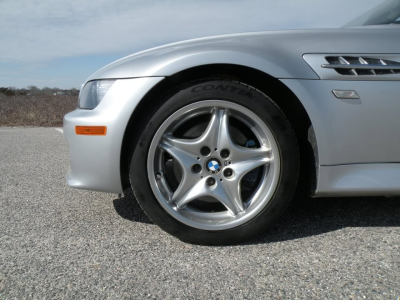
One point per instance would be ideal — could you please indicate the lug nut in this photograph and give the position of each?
(228, 172)
(196, 168)
(205, 151)
(225, 153)
(210, 181)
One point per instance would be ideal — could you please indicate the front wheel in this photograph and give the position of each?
(216, 164)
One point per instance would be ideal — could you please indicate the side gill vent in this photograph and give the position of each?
(357, 65)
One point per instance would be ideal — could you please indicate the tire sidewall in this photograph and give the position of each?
(240, 94)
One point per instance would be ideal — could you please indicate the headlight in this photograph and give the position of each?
(93, 92)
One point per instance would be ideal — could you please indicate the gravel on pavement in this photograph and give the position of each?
(60, 243)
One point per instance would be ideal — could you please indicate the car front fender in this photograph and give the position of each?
(258, 51)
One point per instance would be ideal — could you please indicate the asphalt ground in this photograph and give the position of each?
(61, 243)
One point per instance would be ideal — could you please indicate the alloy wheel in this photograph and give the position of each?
(213, 165)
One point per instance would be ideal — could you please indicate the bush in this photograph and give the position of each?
(35, 110)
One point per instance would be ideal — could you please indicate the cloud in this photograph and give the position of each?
(41, 31)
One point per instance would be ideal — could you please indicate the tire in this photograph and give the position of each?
(252, 179)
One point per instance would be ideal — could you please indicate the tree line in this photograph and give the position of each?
(32, 90)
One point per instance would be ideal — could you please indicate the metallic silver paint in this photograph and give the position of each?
(277, 53)
(347, 132)
(95, 160)
(359, 180)
(352, 131)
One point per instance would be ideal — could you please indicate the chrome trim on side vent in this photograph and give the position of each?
(351, 65)
(372, 67)
(355, 66)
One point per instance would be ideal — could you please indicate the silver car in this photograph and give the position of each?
(215, 135)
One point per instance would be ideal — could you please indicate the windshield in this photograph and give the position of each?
(386, 13)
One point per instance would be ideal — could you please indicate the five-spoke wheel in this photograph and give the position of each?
(212, 166)
(216, 162)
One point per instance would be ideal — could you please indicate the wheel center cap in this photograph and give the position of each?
(213, 165)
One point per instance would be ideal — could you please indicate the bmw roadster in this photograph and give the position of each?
(215, 135)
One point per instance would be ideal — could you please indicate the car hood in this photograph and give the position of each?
(278, 53)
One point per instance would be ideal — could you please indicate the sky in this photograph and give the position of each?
(59, 43)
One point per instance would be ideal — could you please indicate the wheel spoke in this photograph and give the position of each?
(186, 161)
(229, 196)
(239, 154)
(193, 192)
(193, 146)
(210, 135)
(186, 186)
(216, 134)
(242, 168)
(223, 139)
(190, 146)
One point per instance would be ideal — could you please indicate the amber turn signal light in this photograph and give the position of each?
(91, 130)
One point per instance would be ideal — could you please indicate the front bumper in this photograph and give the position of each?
(95, 160)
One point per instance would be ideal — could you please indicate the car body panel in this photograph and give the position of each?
(277, 53)
(95, 160)
(359, 180)
(352, 131)
(353, 137)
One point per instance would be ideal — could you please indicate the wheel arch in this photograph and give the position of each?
(269, 85)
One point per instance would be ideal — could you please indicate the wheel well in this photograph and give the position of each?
(275, 89)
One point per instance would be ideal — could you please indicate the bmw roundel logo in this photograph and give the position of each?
(213, 165)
